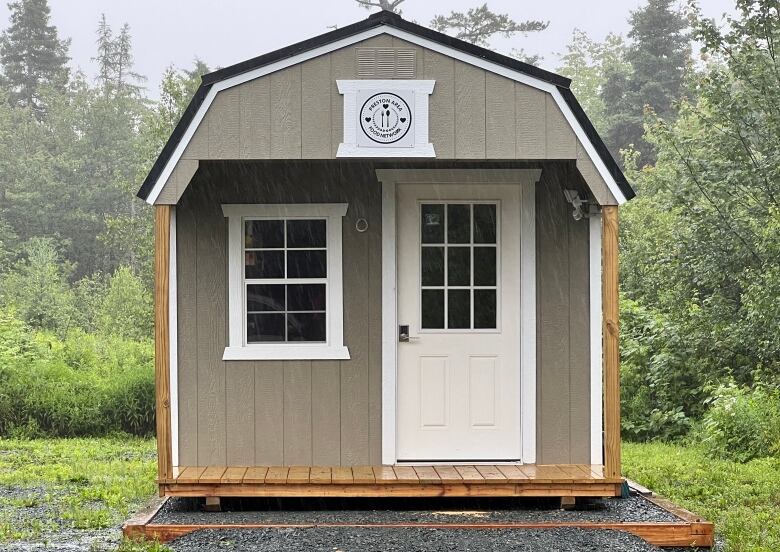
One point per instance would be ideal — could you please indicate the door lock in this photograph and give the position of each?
(403, 334)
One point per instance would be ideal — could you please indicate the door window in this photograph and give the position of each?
(458, 266)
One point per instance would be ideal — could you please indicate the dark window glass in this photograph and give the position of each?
(484, 223)
(485, 308)
(305, 233)
(458, 223)
(433, 308)
(307, 326)
(264, 233)
(306, 297)
(484, 266)
(432, 260)
(458, 266)
(264, 297)
(304, 263)
(458, 308)
(432, 223)
(264, 327)
(264, 264)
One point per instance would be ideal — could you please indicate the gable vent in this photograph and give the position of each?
(386, 63)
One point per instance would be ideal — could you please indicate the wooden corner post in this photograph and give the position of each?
(162, 248)
(611, 340)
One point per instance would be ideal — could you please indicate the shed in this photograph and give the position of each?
(386, 264)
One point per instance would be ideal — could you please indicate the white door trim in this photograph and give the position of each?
(596, 399)
(173, 340)
(527, 178)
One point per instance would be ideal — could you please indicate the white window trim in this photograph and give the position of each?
(421, 89)
(237, 348)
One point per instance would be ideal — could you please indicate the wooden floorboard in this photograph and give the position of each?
(398, 480)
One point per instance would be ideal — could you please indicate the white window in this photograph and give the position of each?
(285, 282)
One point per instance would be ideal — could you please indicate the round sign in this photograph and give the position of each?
(385, 118)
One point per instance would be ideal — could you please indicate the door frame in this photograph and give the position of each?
(527, 180)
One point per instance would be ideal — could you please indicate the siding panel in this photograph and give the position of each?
(255, 131)
(297, 413)
(286, 130)
(224, 125)
(531, 124)
(316, 108)
(500, 117)
(469, 112)
(441, 127)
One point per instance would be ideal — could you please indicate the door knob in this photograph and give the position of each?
(403, 334)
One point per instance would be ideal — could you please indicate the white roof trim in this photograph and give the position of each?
(409, 37)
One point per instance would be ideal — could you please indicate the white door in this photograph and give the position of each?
(458, 263)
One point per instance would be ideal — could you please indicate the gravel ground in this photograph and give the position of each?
(417, 540)
(259, 511)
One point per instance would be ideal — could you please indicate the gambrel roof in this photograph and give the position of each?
(387, 23)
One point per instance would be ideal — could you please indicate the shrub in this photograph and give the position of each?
(82, 385)
(741, 423)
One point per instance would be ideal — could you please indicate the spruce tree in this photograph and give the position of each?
(32, 55)
(658, 59)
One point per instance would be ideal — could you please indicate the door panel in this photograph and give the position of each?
(458, 265)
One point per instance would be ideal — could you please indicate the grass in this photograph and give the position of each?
(89, 484)
(94, 484)
(742, 499)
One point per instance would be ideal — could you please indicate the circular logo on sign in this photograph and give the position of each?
(385, 118)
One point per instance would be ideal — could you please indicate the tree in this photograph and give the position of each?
(587, 63)
(386, 5)
(32, 55)
(477, 25)
(126, 309)
(700, 247)
(37, 287)
(659, 56)
(115, 61)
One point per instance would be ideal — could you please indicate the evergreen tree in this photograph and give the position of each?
(32, 55)
(658, 57)
(115, 61)
(477, 25)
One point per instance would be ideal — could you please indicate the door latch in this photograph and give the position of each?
(403, 334)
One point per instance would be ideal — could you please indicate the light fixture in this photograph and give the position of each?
(573, 197)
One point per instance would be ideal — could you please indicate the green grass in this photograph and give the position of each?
(742, 499)
(90, 483)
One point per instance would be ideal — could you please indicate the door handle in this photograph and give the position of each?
(403, 334)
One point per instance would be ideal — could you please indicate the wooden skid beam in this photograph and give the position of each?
(162, 244)
(610, 340)
(335, 489)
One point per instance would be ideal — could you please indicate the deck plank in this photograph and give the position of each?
(470, 474)
(277, 475)
(320, 475)
(342, 475)
(384, 474)
(406, 474)
(212, 474)
(427, 474)
(513, 474)
(363, 475)
(448, 474)
(234, 474)
(491, 473)
(190, 474)
(255, 475)
(298, 475)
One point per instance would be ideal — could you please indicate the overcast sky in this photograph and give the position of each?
(223, 32)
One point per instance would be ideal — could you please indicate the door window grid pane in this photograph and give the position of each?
(284, 280)
(442, 207)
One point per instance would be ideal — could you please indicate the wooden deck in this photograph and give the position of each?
(401, 480)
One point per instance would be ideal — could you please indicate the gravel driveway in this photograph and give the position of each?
(416, 540)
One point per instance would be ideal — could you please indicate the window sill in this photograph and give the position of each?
(286, 352)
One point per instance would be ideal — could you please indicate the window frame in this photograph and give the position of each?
(333, 348)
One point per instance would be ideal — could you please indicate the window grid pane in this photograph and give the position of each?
(283, 302)
(466, 299)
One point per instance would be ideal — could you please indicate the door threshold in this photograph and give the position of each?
(458, 462)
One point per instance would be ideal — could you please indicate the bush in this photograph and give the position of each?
(741, 423)
(82, 385)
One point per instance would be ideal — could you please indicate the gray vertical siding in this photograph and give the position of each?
(329, 412)
(474, 114)
(276, 412)
(563, 329)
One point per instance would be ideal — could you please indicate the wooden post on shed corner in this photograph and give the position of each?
(162, 244)
(611, 340)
